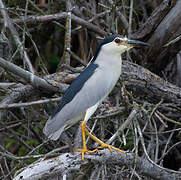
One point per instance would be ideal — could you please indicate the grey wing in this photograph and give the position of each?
(95, 89)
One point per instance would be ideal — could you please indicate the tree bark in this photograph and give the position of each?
(67, 162)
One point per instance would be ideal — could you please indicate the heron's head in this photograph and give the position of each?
(117, 44)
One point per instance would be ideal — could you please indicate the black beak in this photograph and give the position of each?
(135, 43)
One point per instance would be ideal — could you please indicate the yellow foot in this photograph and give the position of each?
(84, 150)
(103, 145)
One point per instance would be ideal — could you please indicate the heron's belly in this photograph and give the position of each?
(73, 121)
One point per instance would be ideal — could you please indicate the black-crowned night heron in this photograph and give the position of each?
(89, 89)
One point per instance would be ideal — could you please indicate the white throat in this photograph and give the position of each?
(109, 59)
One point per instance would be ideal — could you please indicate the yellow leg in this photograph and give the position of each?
(102, 144)
(84, 148)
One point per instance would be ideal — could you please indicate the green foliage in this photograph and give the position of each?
(10, 142)
(12, 145)
(15, 3)
(53, 62)
(129, 145)
(59, 29)
(129, 142)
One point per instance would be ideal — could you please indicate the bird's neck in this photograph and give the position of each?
(110, 65)
(106, 59)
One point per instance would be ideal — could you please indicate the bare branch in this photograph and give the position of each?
(67, 162)
(149, 84)
(34, 80)
(9, 24)
(168, 29)
(124, 125)
(60, 16)
(119, 14)
(153, 21)
(67, 40)
(15, 105)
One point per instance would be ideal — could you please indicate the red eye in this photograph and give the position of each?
(117, 40)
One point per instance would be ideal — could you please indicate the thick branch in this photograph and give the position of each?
(34, 80)
(146, 84)
(66, 163)
(153, 21)
(159, 56)
(26, 91)
(136, 78)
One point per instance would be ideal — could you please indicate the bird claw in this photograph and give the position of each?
(85, 150)
(110, 147)
(105, 146)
